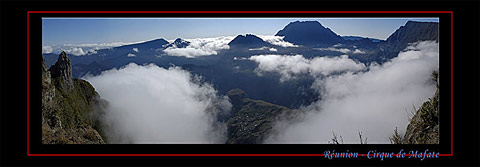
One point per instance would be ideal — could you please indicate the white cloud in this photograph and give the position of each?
(241, 58)
(201, 47)
(189, 52)
(358, 51)
(265, 48)
(150, 104)
(337, 45)
(135, 50)
(374, 102)
(75, 51)
(289, 66)
(131, 55)
(92, 50)
(276, 40)
(47, 49)
(101, 45)
(343, 50)
(82, 49)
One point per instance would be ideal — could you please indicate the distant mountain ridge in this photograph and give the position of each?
(412, 31)
(156, 43)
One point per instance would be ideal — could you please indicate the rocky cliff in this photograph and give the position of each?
(69, 106)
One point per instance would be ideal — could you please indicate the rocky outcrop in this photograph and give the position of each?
(252, 120)
(62, 71)
(69, 107)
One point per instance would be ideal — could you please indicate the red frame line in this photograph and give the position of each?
(213, 12)
(255, 12)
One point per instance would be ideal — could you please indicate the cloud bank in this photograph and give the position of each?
(276, 40)
(342, 50)
(150, 104)
(338, 48)
(47, 49)
(81, 49)
(373, 102)
(201, 47)
(75, 51)
(290, 66)
(265, 48)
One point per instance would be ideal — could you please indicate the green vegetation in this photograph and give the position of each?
(68, 111)
(424, 125)
(77, 104)
(252, 120)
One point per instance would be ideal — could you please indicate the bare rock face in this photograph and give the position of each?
(62, 69)
(48, 91)
(70, 107)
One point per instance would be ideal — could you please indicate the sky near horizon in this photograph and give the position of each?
(60, 31)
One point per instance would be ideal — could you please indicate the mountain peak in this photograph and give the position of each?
(306, 22)
(309, 33)
(248, 40)
(62, 69)
(179, 43)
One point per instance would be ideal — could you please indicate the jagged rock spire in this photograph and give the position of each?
(62, 69)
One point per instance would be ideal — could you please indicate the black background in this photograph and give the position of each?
(13, 79)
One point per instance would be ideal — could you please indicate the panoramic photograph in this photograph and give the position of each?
(240, 80)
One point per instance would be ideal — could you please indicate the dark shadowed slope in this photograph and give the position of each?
(310, 33)
(251, 120)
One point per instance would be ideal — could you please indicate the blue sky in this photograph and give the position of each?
(58, 31)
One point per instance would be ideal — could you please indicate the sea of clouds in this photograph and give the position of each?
(150, 104)
(291, 65)
(372, 102)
